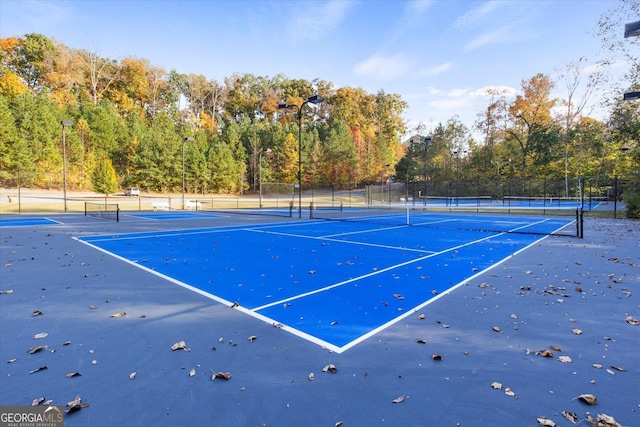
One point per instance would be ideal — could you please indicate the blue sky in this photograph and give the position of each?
(438, 55)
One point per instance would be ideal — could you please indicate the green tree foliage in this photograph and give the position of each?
(103, 178)
(136, 116)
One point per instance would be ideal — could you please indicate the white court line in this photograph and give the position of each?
(335, 285)
(375, 245)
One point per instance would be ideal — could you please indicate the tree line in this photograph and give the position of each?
(145, 123)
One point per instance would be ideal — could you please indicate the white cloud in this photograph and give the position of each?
(475, 16)
(435, 70)
(382, 67)
(312, 20)
(456, 93)
(491, 91)
(498, 35)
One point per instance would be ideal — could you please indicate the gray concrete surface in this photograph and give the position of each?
(491, 330)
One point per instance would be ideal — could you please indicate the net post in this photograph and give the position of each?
(117, 213)
(85, 208)
(291, 209)
(311, 210)
(581, 223)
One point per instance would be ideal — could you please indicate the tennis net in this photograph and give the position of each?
(109, 211)
(569, 223)
(587, 203)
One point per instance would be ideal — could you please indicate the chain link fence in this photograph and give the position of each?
(31, 192)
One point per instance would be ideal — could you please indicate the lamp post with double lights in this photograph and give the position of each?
(64, 123)
(315, 99)
(187, 139)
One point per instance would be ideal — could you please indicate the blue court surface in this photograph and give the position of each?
(333, 283)
(165, 216)
(26, 222)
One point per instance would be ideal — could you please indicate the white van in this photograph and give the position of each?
(132, 191)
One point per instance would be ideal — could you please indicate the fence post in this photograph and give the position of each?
(615, 196)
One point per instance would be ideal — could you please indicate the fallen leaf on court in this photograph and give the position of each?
(310, 377)
(399, 399)
(132, 376)
(11, 360)
(334, 323)
(121, 314)
(221, 375)
(577, 331)
(617, 368)
(610, 372)
(37, 313)
(192, 372)
(75, 405)
(436, 356)
(509, 392)
(36, 349)
(571, 416)
(180, 345)
(630, 320)
(398, 296)
(496, 385)
(553, 347)
(496, 329)
(544, 421)
(597, 366)
(41, 368)
(234, 305)
(605, 420)
(252, 338)
(422, 317)
(545, 353)
(338, 424)
(565, 359)
(66, 343)
(73, 374)
(514, 316)
(94, 362)
(36, 402)
(40, 335)
(587, 398)
(277, 325)
(331, 368)
(421, 341)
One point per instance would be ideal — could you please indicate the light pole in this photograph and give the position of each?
(426, 141)
(64, 123)
(457, 154)
(189, 138)
(315, 99)
(268, 150)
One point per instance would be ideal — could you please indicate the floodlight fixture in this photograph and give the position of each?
(632, 29)
(631, 95)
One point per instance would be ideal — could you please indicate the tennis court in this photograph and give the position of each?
(26, 222)
(368, 331)
(334, 283)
